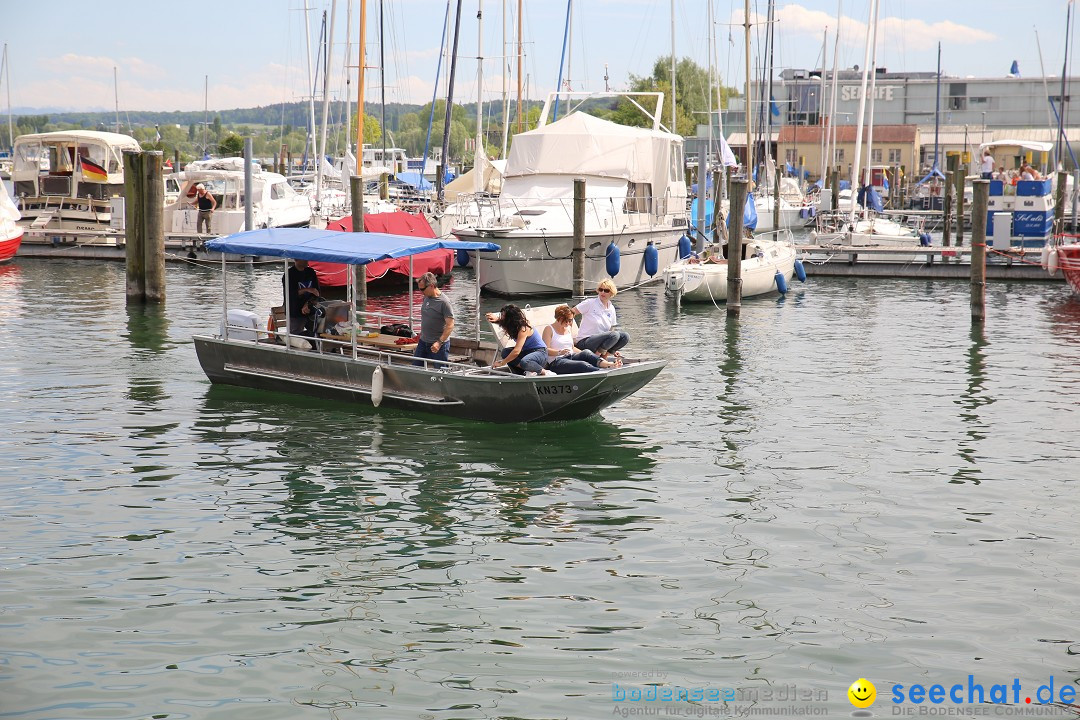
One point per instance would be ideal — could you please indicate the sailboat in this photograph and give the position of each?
(768, 260)
(10, 233)
(856, 227)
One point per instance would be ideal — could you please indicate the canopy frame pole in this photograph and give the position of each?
(412, 280)
(288, 315)
(224, 300)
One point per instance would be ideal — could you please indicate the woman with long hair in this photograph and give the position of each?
(529, 353)
(563, 357)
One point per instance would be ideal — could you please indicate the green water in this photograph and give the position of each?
(850, 482)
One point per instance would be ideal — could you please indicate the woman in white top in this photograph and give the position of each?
(563, 357)
(596, 332)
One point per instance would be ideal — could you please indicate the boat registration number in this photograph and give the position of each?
(556, 389)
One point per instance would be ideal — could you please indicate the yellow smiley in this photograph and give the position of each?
(862, 693)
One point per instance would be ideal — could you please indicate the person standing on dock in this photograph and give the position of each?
(436, 322)
(207, 204)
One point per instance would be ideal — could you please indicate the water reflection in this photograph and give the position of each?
(337, 460)
(971, 399)
(147, 332)
(1065, 318)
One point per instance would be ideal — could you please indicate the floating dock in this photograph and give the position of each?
(918, 262)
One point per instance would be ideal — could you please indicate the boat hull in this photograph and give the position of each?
(460, 391)
(528, 265)
(707, 282)
(10, 246)
(1069, 263)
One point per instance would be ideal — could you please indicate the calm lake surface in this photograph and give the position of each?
(850, 482)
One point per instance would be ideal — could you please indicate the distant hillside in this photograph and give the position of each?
(295, 114)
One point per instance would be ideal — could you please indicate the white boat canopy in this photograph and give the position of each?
(580, 144)
(1026, 144)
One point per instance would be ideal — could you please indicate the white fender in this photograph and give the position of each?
(377, 386)
(1045, 257)
(1052, 262)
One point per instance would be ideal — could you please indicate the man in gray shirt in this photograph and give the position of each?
(436, 322)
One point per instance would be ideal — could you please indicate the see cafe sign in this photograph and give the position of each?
(854, 92)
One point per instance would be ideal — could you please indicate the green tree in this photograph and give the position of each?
(372, 130)
(232, 145)
(191, 132)
(691, 98)
(217, 127)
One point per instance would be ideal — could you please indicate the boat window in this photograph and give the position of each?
(31, 156)
(638, 197)
(100, 156)
(61, 159)
(281, 190)
(676, 162)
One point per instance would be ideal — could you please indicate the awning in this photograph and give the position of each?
(1026, 144)
(333, 245)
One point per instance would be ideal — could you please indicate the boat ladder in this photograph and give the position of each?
(44, 218)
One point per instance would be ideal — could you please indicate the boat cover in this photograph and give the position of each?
(334, 245)
(440, 261)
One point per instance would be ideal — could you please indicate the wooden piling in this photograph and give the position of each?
(946, 210)
(961, 181)
(439, 181)
(134, 246)
(735, 248)
(356, 197)
(978, 249)
(578, 253)
(384, 186)
(834, 183)
(153, 227)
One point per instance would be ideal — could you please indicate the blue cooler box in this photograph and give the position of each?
(1037, 188)
(997, 187)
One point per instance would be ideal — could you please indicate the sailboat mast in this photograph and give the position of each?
(450, 100)
(1059, 152)
(7, 87)
(873, 98)
(505, 86)
(382, 82)
(749, 111)
(937, 109)
(116, 97)
(348, 78)
(830, 148)
(478, 151)
(855, 169)
(673, 130)
(325, 105)
(360, 89)
(310, 75)
(821, 107)
(520, 62)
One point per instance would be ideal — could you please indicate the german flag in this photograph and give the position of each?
(92, 171)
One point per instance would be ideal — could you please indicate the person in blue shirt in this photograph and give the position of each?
(529, 355)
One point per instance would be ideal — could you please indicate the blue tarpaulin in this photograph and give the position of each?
(868, 197)
(334, 246)
(414, 179)
(749, 216)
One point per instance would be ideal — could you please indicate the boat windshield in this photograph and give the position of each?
(31, 156)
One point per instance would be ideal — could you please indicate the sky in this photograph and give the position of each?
(64, 54)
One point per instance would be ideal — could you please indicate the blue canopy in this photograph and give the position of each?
(415, 179)
(334, 246)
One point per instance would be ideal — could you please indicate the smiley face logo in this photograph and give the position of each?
(862, 693)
